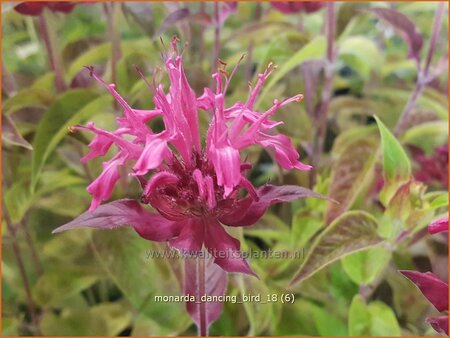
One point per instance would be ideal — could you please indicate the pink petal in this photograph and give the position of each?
(285, 153)
(99, 147)
(155, 151)
(130, 148)
(227, 165)
(248, 211)
(125, 212)
(206, 101)
(101, 188)
(225, 249)
(439, 324)
(132, 119)
(438, 225)
(435, 290)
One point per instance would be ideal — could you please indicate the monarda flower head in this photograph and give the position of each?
(196, 187)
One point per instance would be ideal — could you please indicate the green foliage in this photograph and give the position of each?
(374, 319)
(365, 266)
(351, 232)
(396, 164)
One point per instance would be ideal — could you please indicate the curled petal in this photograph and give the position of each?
(435, 290)
(99, 147)
(285, 153)
(130, 148)
(101, 188)
(225, 249)
(438, 225)
(159, 179)
(155, 151)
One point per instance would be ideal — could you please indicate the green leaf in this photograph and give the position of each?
(360, 53)
(259, 317)
(106, 319)
(303, 229)
(427, 135)
(383, 320)
(349, 174)
(10, 134)
(375, 319)
(396, 165)
(327, 324)
(28, 97)
(53, 287)
(98, 54)
(71, 108)
(19, 199)
(295, 320)
(364, 267)
(351, 232)
(427, 102)
(315, 49)
(358, 318)
(122, 253)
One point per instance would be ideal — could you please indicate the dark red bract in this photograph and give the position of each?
(36, 8)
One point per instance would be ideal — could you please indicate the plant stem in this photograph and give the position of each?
(34, 254)
(114, 37)
(8, 81)
(54, 57)
(203, 329)
(216, 51)
(327, 91)
(20, 263)
(422, 75)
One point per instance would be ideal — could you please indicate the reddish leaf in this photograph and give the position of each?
(214, 283)
(440, 324)
(11, 135)
(435, 290)
(171, 20)
(249, 211)
(30, 8)
(348, 174)
(124, 212)
(405, 28)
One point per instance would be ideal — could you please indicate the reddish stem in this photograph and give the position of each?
(53, 55)
(422, 75)
(203, 329)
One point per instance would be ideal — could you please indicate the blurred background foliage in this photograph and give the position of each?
(101, 283)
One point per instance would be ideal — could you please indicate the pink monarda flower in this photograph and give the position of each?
(435, 290)
(289, 7)
(35, 8)
(195, 188)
